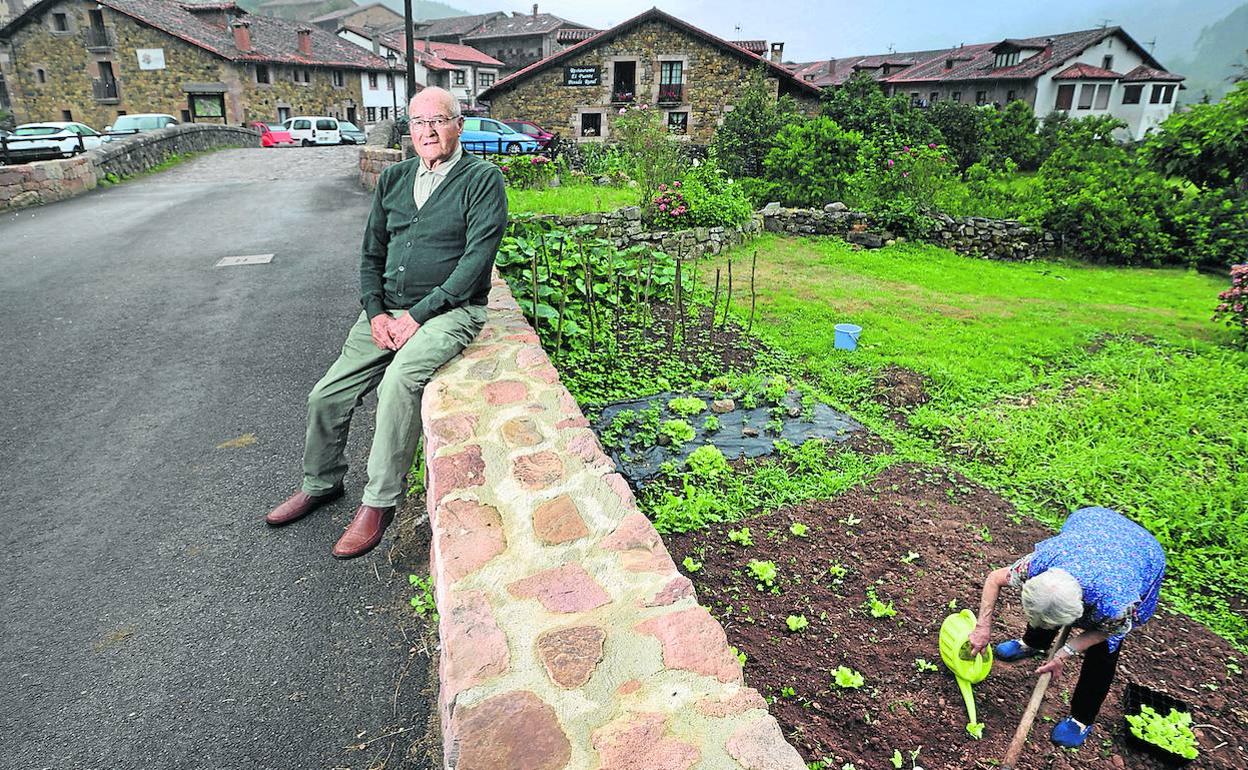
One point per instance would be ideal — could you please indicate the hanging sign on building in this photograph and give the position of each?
(582, 76)
(151, 58)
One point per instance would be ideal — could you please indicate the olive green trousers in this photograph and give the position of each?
(399, 378)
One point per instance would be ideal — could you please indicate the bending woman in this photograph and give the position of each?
(1102, 573)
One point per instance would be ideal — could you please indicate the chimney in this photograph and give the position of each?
(535, 9)
(305, 41)
(242, 34)
(777, 52)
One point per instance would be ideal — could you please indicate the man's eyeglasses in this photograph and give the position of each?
(435, 122)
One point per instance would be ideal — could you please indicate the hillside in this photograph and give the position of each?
(1219, 48)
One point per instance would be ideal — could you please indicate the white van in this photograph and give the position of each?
(308, 130)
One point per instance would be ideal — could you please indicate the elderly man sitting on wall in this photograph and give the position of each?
(429, 249)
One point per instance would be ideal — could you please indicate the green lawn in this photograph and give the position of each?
(1057, 384)
(579, 199)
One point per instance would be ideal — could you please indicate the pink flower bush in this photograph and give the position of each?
(1233, 308)
(670, 205)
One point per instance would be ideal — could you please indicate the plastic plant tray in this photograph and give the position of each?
(1137, 696)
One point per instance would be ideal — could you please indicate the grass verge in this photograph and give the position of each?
(572, 199)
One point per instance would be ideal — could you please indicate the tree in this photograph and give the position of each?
(888, 121)
(1207, 145)
(964, 128)
(750, 128)
(1011, 133)
(813, 160)
(655, 158)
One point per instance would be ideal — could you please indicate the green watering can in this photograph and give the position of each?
(955, 634)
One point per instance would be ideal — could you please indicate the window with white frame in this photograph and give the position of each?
(485, 79)
(262, 74)
(591, 124)
(1102, 96)
(1065, 97)
(372, 81)
(458, 78)
(1087, 94)
(1131, 94)
(678, 122)
(338, 78)
(371, 112)
(1005, 59)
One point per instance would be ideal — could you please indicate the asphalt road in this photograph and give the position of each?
(153, 411)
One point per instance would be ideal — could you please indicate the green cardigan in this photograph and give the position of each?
(439, 257)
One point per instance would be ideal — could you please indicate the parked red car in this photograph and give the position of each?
(271, 136)
(528, 128)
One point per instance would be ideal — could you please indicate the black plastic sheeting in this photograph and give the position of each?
(640, 465)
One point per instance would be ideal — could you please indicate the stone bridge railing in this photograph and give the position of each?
(32, 184)
(568, 638)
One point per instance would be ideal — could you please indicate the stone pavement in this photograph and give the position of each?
(569, 639)
(264, 164)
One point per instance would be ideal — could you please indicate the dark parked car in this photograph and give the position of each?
(533, 130)
(351, 133)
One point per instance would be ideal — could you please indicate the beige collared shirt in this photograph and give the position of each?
(428, 179)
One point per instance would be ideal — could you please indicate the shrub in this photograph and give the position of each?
(813, 160)
(1010, 134)
(1207, 144)
(527, 172)
(713, 198)
(748, 131)
(1233, 308)
(1103, 202)
(669, 208)
(964, 128)
(889, 122)
(901, 191)
(653, 156)
(991, 191)
(1211, 226)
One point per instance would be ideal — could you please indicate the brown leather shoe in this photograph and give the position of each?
(364, 532)
(298, 505)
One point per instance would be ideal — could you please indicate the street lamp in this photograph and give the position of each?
(391, 61)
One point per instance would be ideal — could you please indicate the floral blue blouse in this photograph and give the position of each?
(1117, 563)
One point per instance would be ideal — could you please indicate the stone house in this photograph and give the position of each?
(517, 40)
(373, 16)
(202, 62)
(654, 58)
(1101, 71)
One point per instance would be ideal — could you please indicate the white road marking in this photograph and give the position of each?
(253, 259)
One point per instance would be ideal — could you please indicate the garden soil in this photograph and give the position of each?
(924, 539)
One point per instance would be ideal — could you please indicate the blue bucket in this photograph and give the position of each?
(847, 336)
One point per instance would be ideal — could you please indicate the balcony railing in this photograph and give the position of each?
(104, 90)
(99, 37)
(671, 94)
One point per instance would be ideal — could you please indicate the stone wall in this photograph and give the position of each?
(1005, 239)
(713, 80)
(32, 184)
(568, 637)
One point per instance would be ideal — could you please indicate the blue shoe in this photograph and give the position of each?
(1070, 733)
(1014, 650)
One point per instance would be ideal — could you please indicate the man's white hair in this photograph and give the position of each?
(446, 98)
(1052, 599)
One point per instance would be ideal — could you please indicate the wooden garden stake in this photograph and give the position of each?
(1029, 715)
(534, 276)
(563, 303)
(728, 299)
(615, 323)
(589, 298)
(753, 295)
(715, 301)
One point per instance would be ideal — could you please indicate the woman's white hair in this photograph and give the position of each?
(1052, 599)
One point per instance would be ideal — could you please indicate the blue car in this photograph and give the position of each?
(486, 135)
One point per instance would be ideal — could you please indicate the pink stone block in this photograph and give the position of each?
(460, 470)
(474, 647)
(679, 588)
(621, 488)
(532, 358)
(526, 337)
(453, 429)
(513, 731)
(547, 374)
(629, 687)
(558, 521)
(573, 422)
(584, 444)
(693, 641)
(567, 588)
(570, 655)
(760, 746)
(538, 470)
(633, 532)
(638, 741)
(477, 350)
(745, 699)
(470, 533)
(505, 392)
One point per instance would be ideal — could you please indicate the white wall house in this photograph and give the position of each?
(382, 90)
(1092, 72)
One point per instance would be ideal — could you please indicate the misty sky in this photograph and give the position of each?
(812, 30)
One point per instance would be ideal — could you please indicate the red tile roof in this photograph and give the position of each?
(1086, 72)
(1143, 73)
(756, 47)
(440, 55)
(205, 26)
(566, 35)
(654, 14)
(520, 24)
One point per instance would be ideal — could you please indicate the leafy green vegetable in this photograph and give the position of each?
(847, 678)
(691, 565)
(799, 529)
(796, 623)
(686, 406)
(678, 431)
(764, 572)
(976, 729)
(707, 462)
(1172, 732)
(741, 537)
